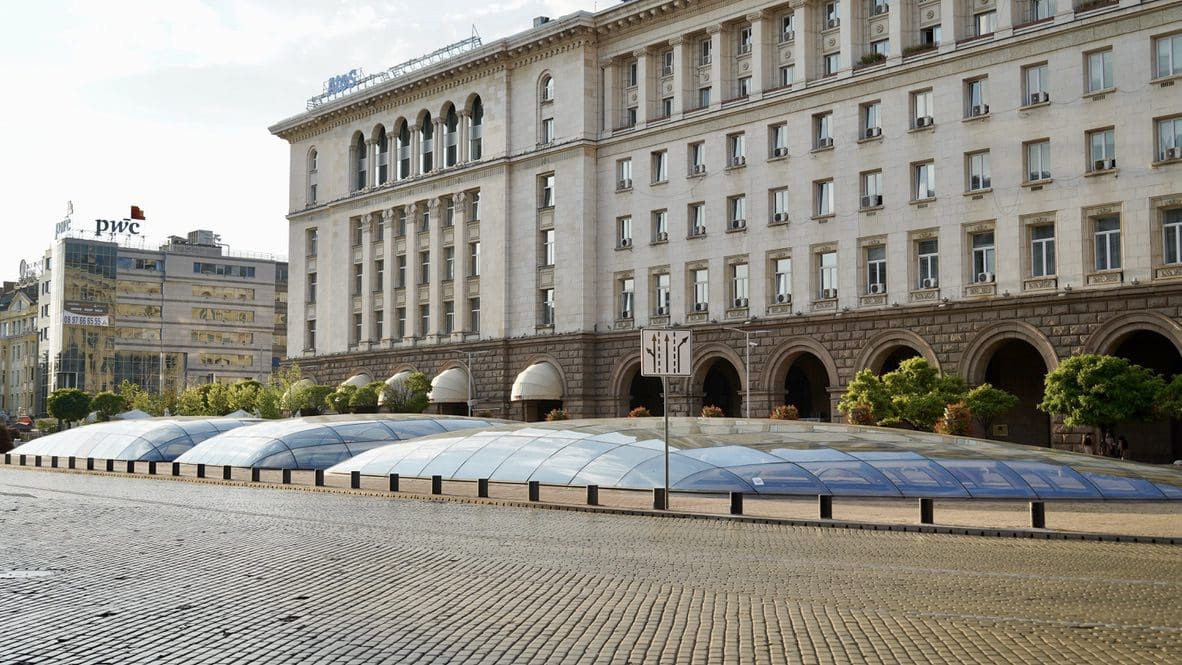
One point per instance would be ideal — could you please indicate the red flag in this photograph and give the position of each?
(136, 213)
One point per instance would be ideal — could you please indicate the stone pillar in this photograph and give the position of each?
(439, 148)
(952, 22)
(462, 151)
(807, 45)
(371, 161)
(412, 272)
(1005, 18)
(683, 74)
(895, 30)
(644, 83)
(852, 21)
(415, 158)
(763, 40)
(611, 107)
(717, 89)
(435, 287)
(366, 337)
(459, 279)
(390, 321)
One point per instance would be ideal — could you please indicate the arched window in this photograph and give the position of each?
(403, 151)
(547, 88)
(475, 127)
(451, 138)
(426, 144)
(359, 163)
(383, 157)
(312, 177)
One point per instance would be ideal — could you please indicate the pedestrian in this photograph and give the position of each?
(1122, 445)
(1109, 447)
(1088, 447)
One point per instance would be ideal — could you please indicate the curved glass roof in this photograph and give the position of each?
(318, 442)
(141, 440)
(768, 457)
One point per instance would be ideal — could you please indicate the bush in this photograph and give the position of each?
(861, 414)
(108, 404)
(639, 412)
(410, 396)
(785, 412)
(46, 425)
(956, 421)
(68, 404)
(365, 398)
(338, 400)
(711, 411)
(557, 414)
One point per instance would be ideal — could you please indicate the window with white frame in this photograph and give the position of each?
(876, 269)
(624, 173)
(360, 162)
(871, 120)
(927, 254)
(1171, 227)
(313, 178)
(379, 273)
(745, 40)
(787, 28)
(827, 275)
(922, 109)
(627, 297)
(400, 274)
(667, 62)
(832, 14)
(310, 335)
(1102, 149)
(740, 274)
(546, 191)
(1099, 70)
(1168, 52)
(400, 314)
(924, 181)
(1042, 250)
(1169, 138)
(449, 263)
(1041, 9)
(547, 136)
(787, 75)
(666, 107)
(547, 88)
(703, 97)
(425, 267)
(1036, 84)
(475, 130)
(474, 206)
(779, 205)
(697, 158)
(743, 86)
(984, 256)
(449, 211)
(661, 286)
(737, 149)
(631, 116)
(660, 225)
(426, 145)
(660, 166)
(424, 320)
(474, 315)
(624, 232)
(1107, 242)
(977, 167)
(310, 288)
(451, 138)
(631, 73)
(700, 281)
(402, 150)
(697, 219)
(823, 195)
(401, 220)
(737, 207)
(823, 130)
(449, 317)
(378, 320)
(548, 237)
(357, 231)
(782, 280)
(424, 218)
(871, 189)
(778, 139)
(879, 7)
(1038, 160)
(312, 242)
(355, 335)
(832, 63)
(975, 101)
(474, 259)
(985, 23)
(705, 51)
(930, 36)
(547, 305)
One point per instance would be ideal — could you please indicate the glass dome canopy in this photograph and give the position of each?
(768, 457)
(317, 442)
(140, 440)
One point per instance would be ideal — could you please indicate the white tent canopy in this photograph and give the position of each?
(396, 382)
(358, 380)
(449, 386)
(538, 381)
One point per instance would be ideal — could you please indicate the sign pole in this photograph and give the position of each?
(665, 395)
(665, 353)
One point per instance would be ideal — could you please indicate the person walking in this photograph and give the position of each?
(1108, 449)
(1089, 447)
(1122, 446)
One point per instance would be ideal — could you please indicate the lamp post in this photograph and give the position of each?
(747, 363)
(468, 368)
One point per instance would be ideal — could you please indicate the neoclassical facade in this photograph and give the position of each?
(819, 186)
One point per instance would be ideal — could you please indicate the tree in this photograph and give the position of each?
(192, 402)
(912, 396)
(306, 399)
(410, 396)
(68, 404)
(1168, 403)
(365, 398)
(338, 400)
(108, 404)
(1099, 390)
(986, 403)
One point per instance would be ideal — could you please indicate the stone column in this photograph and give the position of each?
(807, 45)
(717, 90)
(848, 15)
(459, 279)
(952, 22)
(390, 321)
(611, 108)
(364, 340)
(371, 162)
(412, 272)
(895, 29)
(1005, 18)
(763, 40)
(439, 158)
(463, 137)
(414, 153)
(644, 83)
(435, 287)
(683, 74)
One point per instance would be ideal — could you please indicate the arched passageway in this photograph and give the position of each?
(721, 387)
(1159, 441)
(1018, 368)
(895, 357)
(806, 386)
(646, 391)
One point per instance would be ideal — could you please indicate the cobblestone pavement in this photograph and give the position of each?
(134, 570)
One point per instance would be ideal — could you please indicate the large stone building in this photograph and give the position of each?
(991, 184)
(19, 366)
(187, 312)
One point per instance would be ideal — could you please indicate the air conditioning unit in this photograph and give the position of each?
(872, 132)
(626, 183)
(780, 152)
(1109, 163)
(828, 293)
(625, 242)
(825, 142)
(1103, 164)
(738, 161)
(783, 298)
(924, 121)
(1171, 153)
(662, 236)
(626, 314)
(701, 306)
(872, 201)
(780, 217)
(788, 36)
(1039, 98)
(740, 302)
(930, 283)
(667, 70)
(881, 9)
(699, 169)
(979, 110)
(744, 49)
(662, 311)
(833, 23)
(738, 223)
(985, 277)
(877, 288)
(699, 230)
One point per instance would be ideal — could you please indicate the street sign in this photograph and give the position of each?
(665, 353)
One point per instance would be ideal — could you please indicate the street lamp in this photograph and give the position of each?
(747, 362)
(468, 368)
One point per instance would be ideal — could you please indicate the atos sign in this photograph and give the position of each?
(127, 226)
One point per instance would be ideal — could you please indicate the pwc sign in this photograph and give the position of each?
(128, 226)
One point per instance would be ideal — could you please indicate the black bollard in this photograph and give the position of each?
(437, 484)
(22, 460)
(926, 511)
(152, 468)
(53, 461)
(535, 490)
(254, 474)
(36, 460)
(660, 500)
(176, 468)
(227, 472)
(318, 477)
(354, 479)
(393, 482)
(736, 503)
(131, 466)
(825, 506)
(200, 470)
(1038, 515)
(482, 488)
(72, 462)
(110, 466)
(593, 495)
(90, 464)
(286, 480)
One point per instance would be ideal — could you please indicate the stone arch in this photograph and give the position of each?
(1109, 335)
(879, 347)
(705, 356)
(376, 132)
(778, 363)
(545, 358)
(470, 102)
(802, 371)
(421, 116)
(624, 376)
(704, 379)
(974, 360)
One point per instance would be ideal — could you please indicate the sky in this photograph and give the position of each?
(165, 105)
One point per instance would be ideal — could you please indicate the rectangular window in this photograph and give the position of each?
(425, 219)
(474, 207)
(871, 121)
(977, 166)
(1041, 9)
(740, 274)
(743, 86)
(985, 23)
(1169, 138)
(782, 281)
(449, 263)
(700, 279)
(547, 307)
(667, 63)
(474, 315)
(779, 205)
(697, 158)
(930, 36)
(745, 40)
(778, 140)
(832, 63)
(358, 273)
(983, 257)
(1172, 236)
(400, 281)
(312, 242)
(624, 174)
(737, 207)
(697, 219)
(661, 292)
(787, 75)
(975, 101)
(660, 166)
(922, 109)
(823, 192)
(880, 48)
(737, 149)
(787, 28)
(356, 231)
(703, 97)
(624, 232)
(356, 334)
(449, 317)
(546, 191)
(474, 259)
(379, 270)
(1099, 70)
(627, 298)
(632, 74)
(879, 7)
(425, 267)
(548, 237)
(1168, 51)
(876, 269)
(310, 335)
(924, 175)
(660, 226)
(311, 287)
(424, 320)
(1102, 149)
(402, 221)
(823, 130)
(401, 314)
(666, 107)
(1107, 238)
(705, 49)
(927, 254)
(871, 189)
(827, 275)
(547, 136)
(1037, 85)
(378, 324)
(449, 211)
(832, 14)
(1042, 250)
(631, 115)
(1038, 161)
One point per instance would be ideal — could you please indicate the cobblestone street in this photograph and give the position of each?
(134, 570)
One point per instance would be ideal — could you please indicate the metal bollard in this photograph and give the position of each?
(110, 466)
(393, 482)
(593, 495)
(254, 474)
(200, 470)
(437, 484)
(176, 468)
(7, 458)
(36, 460)
(482, 488)
(1038, 515)
(53, 461)
(90, 464)
(131, 466)
(736, 503)
(354, 479)
(71, 462)
(825, 506)
(660, 501)
(286, 479)
(227, 472)
(926, 511)
(152, 468)
(535, 490)
(22, 460)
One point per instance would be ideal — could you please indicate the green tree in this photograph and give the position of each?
(243, 395)
(1100, 390)
(68, 405)
(913, 396)
(410, 396)
(268, 402)
(866, 392)
(108, 404)
(305, 399)
(986, 403)
(338, 400)
(192, 402)
(365, 398)
(1168, 403)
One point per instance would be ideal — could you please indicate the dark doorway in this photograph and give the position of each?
(535, 410)
(807, 387)
(896, 358)
(1018, 368)
(646, 391)
(453, 409)
(1161, 441)
(721, 388)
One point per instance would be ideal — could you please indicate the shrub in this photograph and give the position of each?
(557, 414)
(46, 425)
(785, 412)
(365, 398)
(338, 400)
(711, 411)
(639, 412)
(861, 414)
(956, 421)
